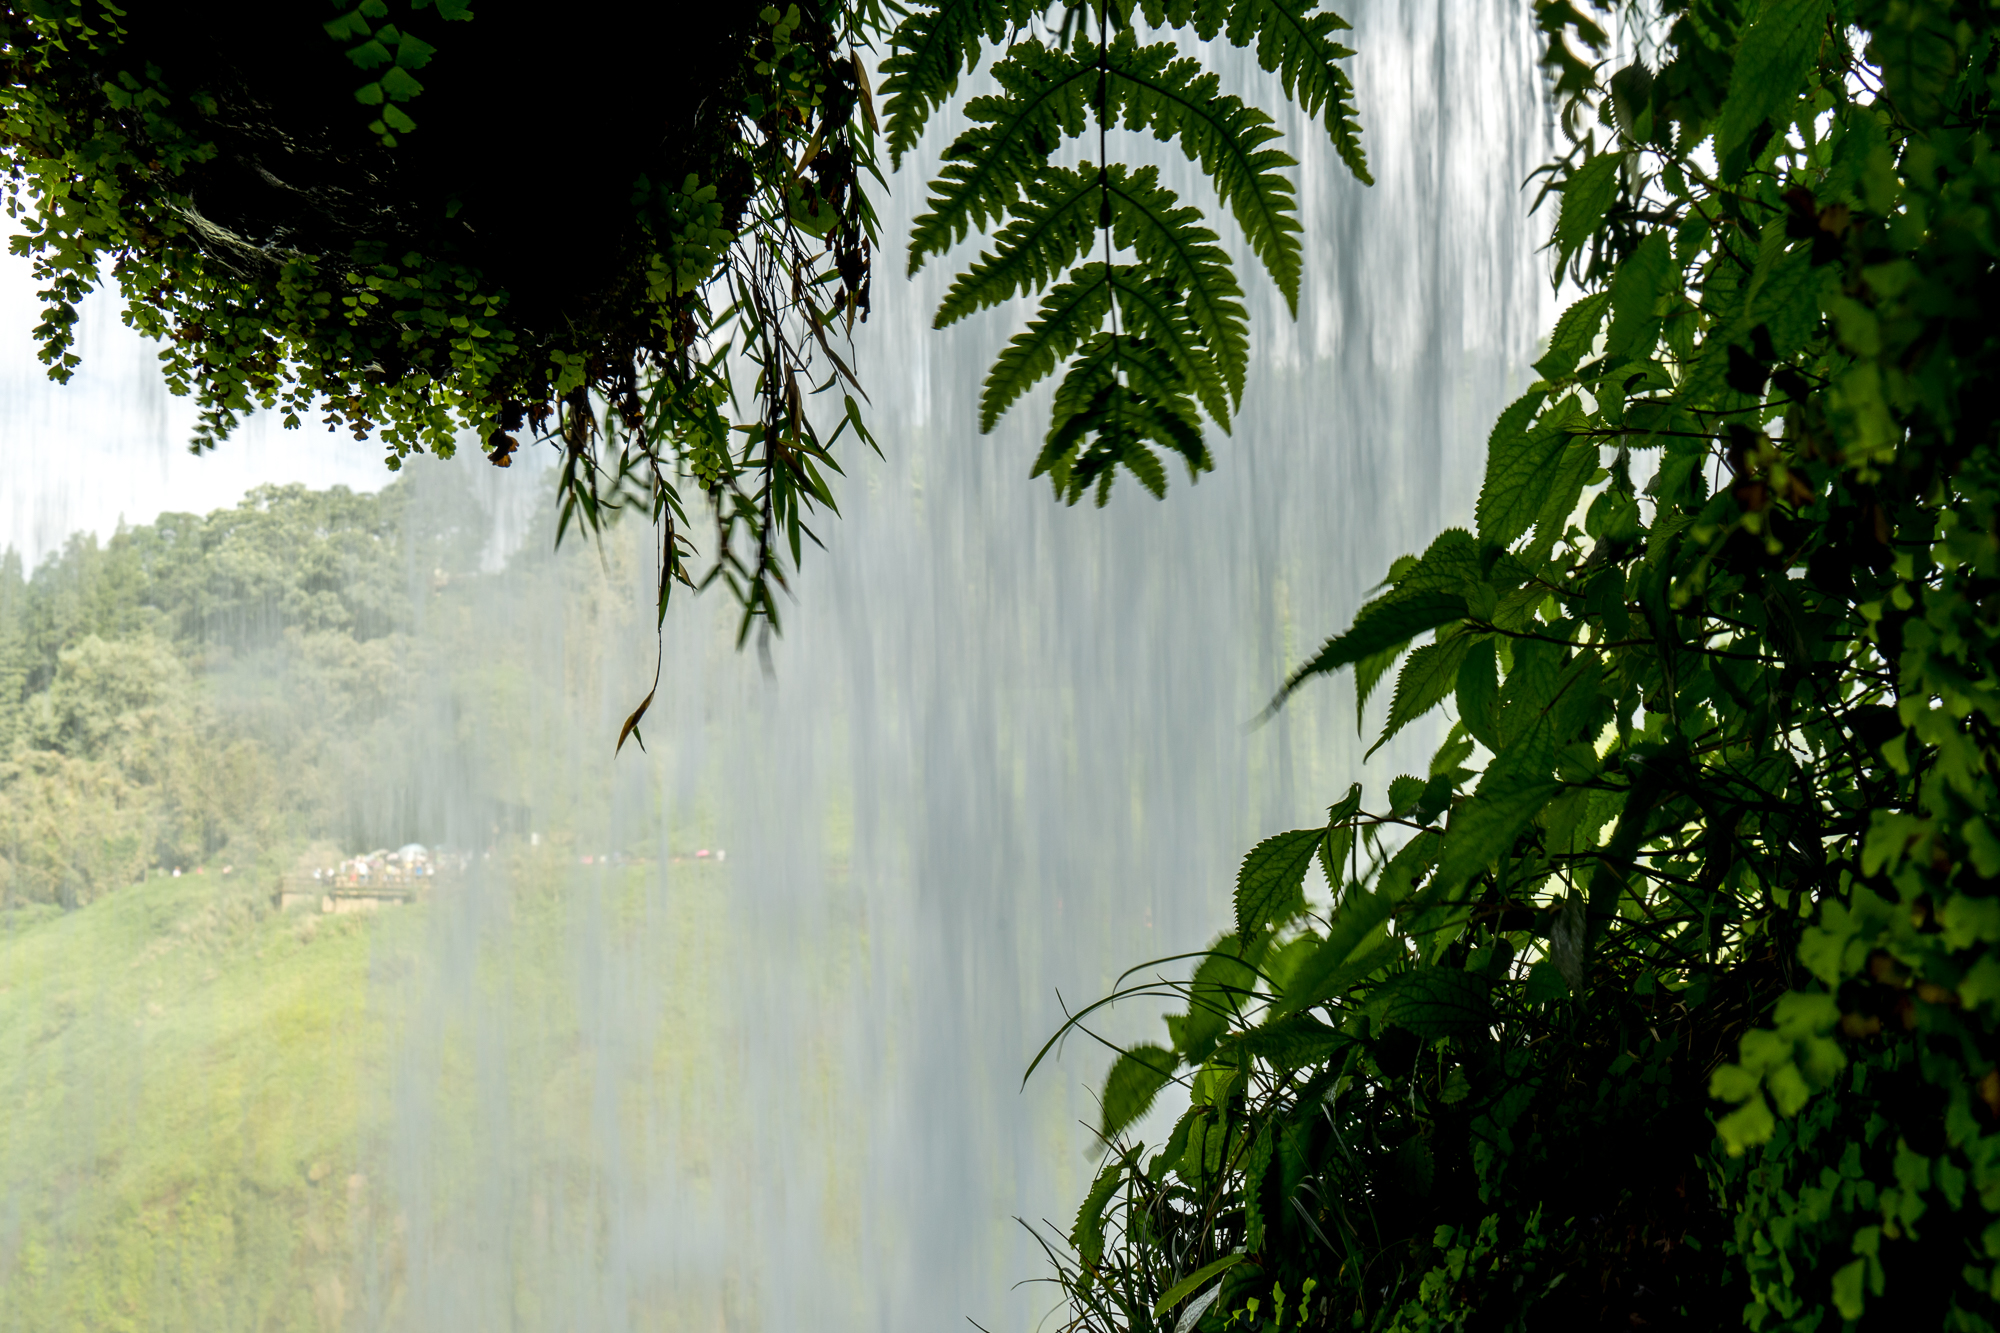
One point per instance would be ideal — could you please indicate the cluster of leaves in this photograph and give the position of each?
(1668, 996)
(1137, 296)
(374, 305)
(114, 754)
(737, 266)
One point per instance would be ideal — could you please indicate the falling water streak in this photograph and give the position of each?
(1002, 752)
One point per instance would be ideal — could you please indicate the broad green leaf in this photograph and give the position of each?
(1772, 62)
(1587, 195)
(1135, 1079)
(1222, 983)
(1339, 838)
(1404, 791)
(1436, 1002)
(1545, 983)
(1368, 673)
(1568, 344)
(1479, 694)
(1635, 293)
(1515, 786)
(1428, 678)
(1292, 1042)
(1450, 563)
(1564, 482)
(1269, 886)
(1519, 454)
(1386, 623)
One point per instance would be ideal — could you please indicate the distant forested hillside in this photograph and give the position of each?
(209, 691)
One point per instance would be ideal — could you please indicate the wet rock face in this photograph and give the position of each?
(534, 122)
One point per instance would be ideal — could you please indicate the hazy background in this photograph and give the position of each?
(1002, 751)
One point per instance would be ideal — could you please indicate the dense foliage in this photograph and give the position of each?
(218, 689)
(344, 215)
(1667, 996)
(341, 219)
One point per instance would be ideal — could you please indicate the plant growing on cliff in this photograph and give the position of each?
(348, 215)
(1667, 996)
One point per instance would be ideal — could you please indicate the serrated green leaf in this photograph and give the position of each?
(1221, 985)
(1588, 194)
(1136, 1078)
(1514, 787)
(1479, 694)
(1386, 623)
(1569, 472)
(1635, 292)
(1568, 344)
(1435, 1002)
(1772, 62)
(1269, 886)
(1518, 455)
(1087, 1233)
(1295, 1041)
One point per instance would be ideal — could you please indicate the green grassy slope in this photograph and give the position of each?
(196, 1099)
(181, 1070)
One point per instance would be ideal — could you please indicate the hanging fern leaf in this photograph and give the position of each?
(1171, 242)
(1054, 225)
(1047, 99)
(1120, 394)
(928, 51)
(1070, 313)
(1162, 340)
(1156, 88)
(1294, 41)
(1151, 309)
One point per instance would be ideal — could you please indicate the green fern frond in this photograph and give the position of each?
(1155, 88)
(1047, 99)
(1054, 224)
(1170, 241)
(1069, 315)
(1121, 393)
(1294, 41)
(1152, 311)
(928, 51)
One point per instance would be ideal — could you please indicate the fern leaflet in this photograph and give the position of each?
(928, 51)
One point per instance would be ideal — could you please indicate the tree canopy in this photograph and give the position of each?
(1666, 997)
(347, 216)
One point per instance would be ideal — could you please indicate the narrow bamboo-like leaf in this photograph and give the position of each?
(1188, 1285)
